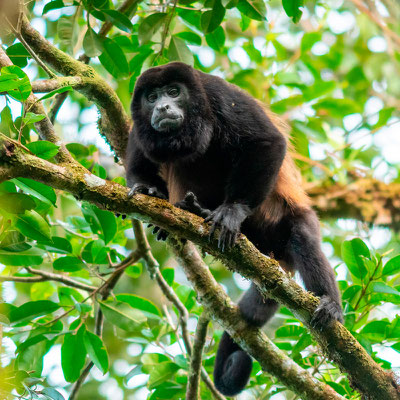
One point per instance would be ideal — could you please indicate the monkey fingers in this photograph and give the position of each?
(191, 204)
(326, 312)
(142, 188)
(227, 238)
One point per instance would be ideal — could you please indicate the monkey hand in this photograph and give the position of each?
(191, 204)
(229, 218)
(143, 188)
(327, 311)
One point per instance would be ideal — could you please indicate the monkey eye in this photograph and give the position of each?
(151, 97)
(173, 92)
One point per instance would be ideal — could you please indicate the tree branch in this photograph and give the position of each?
(153, 268)
(366, 199)
(244, 258)
(115, 124)
(48, 276)
(251, 339)
(44, 127)
(47, 85)
(193, 385)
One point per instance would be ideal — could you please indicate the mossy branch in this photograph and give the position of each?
(115, 122)
(337, 342)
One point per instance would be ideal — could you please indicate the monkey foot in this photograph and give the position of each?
(142, 188)
(191, 203)
(326, 312)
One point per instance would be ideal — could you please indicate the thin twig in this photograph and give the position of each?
(45, 277)
(17, 32)
(50, 276)
(193, 384)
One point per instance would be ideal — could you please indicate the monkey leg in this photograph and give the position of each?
(233, 365)
(304, 254)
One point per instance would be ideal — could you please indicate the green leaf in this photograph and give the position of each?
(96, 350)
(309, 39)
(65, 30)
(244, 22)
(149, 26)
(73, 353)
(169, 275)
(375, 330)
(15, 242)
(68, 264)
(384, 115)
(211, 20)
(8, 82)
(163, 372)
(92, 43)
(178, 51)
(352, 250)
(134, 271)
(140, 303)
(95, 252)
(56, 91)
(32, 309)
(52, 394)
(216, 39)
(254, 9)
(32, 225)
(43, 149)
(77, 149)
(18, 55)
(52, 6)
(381, 287)
(114, 60)
(190, 37)
(28, 257)
(37, 189)
(101, 222)
(122, 315)
(337, 107)
(16, 203)
(292, 9)
(24, 88)
(118, 19)
(289, 331)
(31, 118)
(187, 296)
(57, 245)
(392, 266)
(68, 296)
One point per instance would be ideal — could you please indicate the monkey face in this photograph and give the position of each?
(165, 106)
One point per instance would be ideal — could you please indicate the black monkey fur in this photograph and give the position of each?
(194, 132)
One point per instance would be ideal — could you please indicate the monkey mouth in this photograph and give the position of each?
(168, 122)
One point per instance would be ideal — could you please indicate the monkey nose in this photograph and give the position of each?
(163, 107)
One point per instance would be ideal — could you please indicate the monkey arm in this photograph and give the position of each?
(256, 164)
(142, 175)
(255, 167)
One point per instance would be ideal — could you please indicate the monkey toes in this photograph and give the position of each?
(142, 188)
(326, 312)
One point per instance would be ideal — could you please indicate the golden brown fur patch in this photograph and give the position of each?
(288, 193)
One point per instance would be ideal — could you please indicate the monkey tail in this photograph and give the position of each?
(232, 367)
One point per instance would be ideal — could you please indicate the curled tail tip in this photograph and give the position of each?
(233, 373)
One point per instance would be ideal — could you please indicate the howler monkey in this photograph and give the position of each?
(204, 143)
